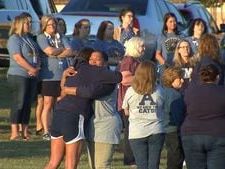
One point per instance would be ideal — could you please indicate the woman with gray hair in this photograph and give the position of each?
(134, 49)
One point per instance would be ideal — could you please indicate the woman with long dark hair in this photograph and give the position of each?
(167, 41)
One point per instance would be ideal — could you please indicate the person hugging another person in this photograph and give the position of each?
(174, 109)
(143, 104)
(105, 125)
(74, 109)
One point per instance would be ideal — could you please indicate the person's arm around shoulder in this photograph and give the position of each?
(107, 76)
(67, 90)
(95, 90)
(91, 91)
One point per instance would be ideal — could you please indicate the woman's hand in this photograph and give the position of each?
(33, 72)
(70, 71)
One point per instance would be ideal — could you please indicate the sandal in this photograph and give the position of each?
(26, 138)
(39, 132)
(16, 138)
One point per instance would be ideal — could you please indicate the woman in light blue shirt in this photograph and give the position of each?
(106, 43)
(22, 74)
(55, 48)
(167, 41)
(80, 35)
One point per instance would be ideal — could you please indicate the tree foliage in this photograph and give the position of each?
(212, 3)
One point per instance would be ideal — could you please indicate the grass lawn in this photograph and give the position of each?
(34, 154)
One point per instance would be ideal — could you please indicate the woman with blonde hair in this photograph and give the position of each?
(55, 48)
(183, 53)
(183, 59)
(143, 104)
(22, 74)
(135, 48)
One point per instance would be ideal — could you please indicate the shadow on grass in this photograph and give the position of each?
(23, 149)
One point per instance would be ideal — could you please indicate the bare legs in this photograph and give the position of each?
(57, 153)
(38, 112)
(14, 132)
(73, 152)
(46, 113)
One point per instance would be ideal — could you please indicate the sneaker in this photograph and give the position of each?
(46, 136)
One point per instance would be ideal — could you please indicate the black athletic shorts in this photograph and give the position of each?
(68, 125)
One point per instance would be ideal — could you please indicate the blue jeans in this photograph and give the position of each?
(128, 153)
(23, 91)
(147, 151)
(175, 155)
(204, 151)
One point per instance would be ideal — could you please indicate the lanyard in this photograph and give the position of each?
(32, 46)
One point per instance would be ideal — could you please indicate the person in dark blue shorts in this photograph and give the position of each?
(74, 109)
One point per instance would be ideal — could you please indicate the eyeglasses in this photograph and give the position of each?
(130, 16)
(85, 27)
(28, 22)
(53, 24)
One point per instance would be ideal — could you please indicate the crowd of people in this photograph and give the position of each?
(175, 100)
